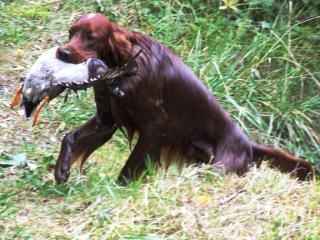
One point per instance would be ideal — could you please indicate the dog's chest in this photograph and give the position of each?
(123, 113)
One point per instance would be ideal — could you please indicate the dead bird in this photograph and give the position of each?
(49, 77)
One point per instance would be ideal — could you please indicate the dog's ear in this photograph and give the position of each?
(119, 48)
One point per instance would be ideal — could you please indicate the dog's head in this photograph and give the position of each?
(95, 36)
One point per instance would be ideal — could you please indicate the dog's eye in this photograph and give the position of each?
(90, 37)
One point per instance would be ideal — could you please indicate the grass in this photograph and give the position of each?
(197, 204)
(264, 72)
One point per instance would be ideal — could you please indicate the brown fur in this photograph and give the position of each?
(165, 103)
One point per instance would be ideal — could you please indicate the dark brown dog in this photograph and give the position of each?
(164, 102)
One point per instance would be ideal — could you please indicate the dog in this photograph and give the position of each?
(175, 117)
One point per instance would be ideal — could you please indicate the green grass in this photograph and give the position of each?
(20, 20)
(265, 74)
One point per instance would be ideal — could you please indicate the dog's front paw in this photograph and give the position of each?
(61, 172)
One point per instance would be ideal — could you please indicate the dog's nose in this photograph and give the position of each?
(63, 54)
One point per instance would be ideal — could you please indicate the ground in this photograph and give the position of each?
(197, 203)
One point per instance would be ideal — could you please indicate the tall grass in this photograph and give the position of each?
(260, 71)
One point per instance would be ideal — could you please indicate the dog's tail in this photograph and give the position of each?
(285, 162)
